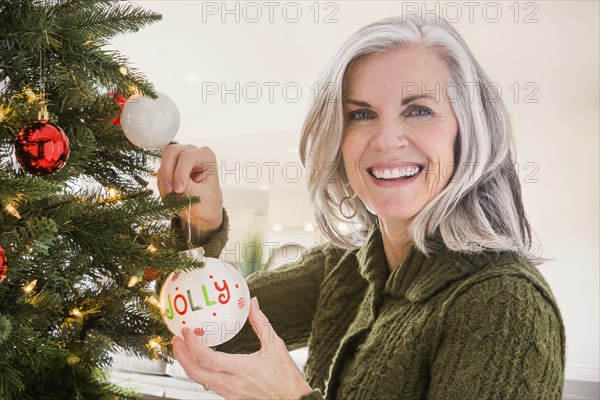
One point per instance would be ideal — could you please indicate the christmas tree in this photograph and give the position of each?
(83, 242)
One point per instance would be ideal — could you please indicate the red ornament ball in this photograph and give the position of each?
(3, 264)
(151, 274)
(119, 98)
(42, 148)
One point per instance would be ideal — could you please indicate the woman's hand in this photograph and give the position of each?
(269, 373)
(189, 170)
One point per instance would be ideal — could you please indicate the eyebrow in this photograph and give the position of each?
(405, 101)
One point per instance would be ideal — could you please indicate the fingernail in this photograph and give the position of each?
(256, 302)
(178, 186)
(184, 332)
(168, 186)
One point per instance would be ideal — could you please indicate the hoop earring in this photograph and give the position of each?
(352, 201)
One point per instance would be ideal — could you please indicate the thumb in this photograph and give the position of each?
(260, 323)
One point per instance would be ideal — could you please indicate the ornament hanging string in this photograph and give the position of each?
(43, 113)
(188, 213)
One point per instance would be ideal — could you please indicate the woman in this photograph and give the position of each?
(434, 294)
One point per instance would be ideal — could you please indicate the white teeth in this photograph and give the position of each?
(395, 173)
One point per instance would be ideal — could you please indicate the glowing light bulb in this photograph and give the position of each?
(30, 95)
(123, 70)
(153, 301)
(30, 286)
(134, 89)
(133, 281)
(112, 194)
(12, 211)
(151, 249)
(73, 360)
(76, 313)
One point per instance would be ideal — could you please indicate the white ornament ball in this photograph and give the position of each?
(213, 302)
(149, 123)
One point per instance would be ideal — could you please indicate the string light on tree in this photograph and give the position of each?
(112, 194)
(73, 360)
(30, 286)
(12, 211)
(133, 281)
(155, 345)
(153, 300)
(31, 96)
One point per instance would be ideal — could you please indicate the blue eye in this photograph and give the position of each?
(420, 112)
(360, 115)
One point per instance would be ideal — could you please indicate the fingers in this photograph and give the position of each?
(262, 327)
(196, 361)
(182, 163)
(186, 358)
(168, 163)
(205, 356)
(196, 165)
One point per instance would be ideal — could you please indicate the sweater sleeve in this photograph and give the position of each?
(503, 339)
(288, 296)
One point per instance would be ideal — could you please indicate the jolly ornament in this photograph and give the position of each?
(213, 301)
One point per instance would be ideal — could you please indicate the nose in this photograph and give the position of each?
(389, 136)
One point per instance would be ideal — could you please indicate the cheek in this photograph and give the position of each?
(351, 151)
(439, 148)
(446, 162)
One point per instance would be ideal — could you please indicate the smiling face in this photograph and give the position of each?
(399, 131)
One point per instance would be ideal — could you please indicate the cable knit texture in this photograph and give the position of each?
(444, 326)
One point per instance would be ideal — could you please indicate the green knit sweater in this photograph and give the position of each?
(445, 326)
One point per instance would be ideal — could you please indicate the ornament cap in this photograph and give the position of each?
(43, 115)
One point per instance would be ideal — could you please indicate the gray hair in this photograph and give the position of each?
(481, 207)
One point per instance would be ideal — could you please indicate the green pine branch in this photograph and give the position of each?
(103, 21)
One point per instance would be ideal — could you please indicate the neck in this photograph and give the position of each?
(396, 242)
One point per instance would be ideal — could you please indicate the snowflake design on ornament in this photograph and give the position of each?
(199, 332)
(241, 302)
